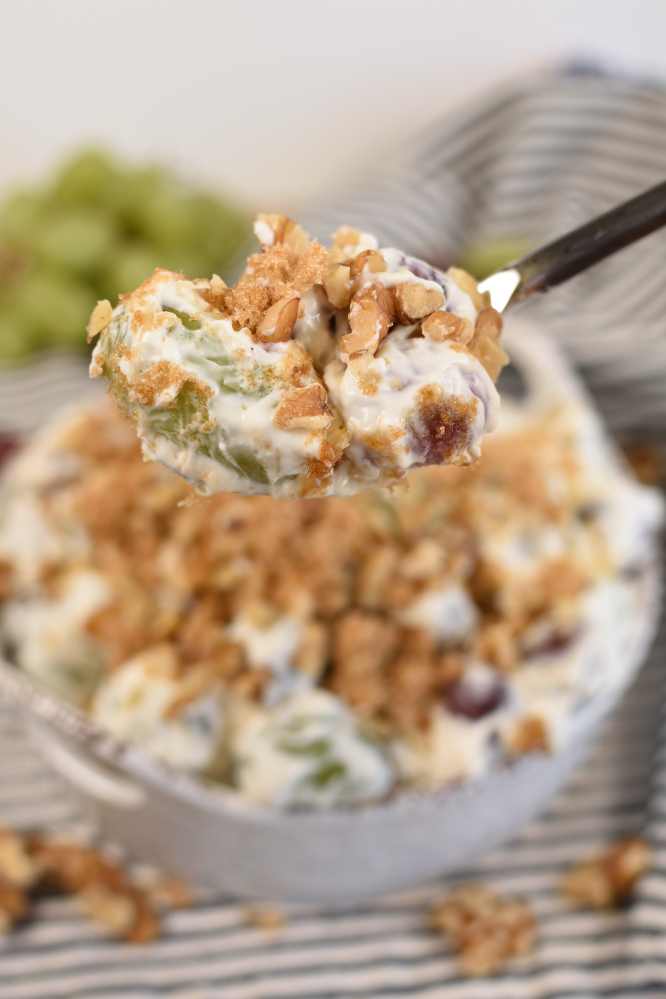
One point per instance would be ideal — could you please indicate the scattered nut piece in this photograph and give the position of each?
(278, 321)
(13, 906)
(338, 285)
(441, 325)
(370, 260)
(115, 910)
(467, 284)
(414, 301)
(104, 889)
(346, 240)
(101, 317)
(170, 893)
(647, 461)
(284, 230)
(485, 344)
(485, 929)
(17, 867)
(216, 293)
(265, 918)
(304, 408)
(370, 319)
(607, 880)
(527, 735)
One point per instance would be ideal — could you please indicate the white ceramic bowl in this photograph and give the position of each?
(210, 835)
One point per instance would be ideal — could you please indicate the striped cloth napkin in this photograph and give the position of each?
(536, 159)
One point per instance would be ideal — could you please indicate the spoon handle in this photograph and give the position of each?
(551, 265)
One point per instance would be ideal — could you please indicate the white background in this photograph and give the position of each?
(277, 100)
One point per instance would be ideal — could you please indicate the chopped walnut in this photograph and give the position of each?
(278, 321)
(305, 408)
(606, 880)
(102, 887)
(467, 284)
(17, 866)
(485, 929)
(13, 905)
(264, 918)
(414, 301)
(442, 325)
(169, 893)
(528, 734)
(370, 261)
(647, 462)
(370, 318)
(485, 344)
(6, 579)
(284, 230)
(101, 317)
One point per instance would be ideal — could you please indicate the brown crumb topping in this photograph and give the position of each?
(277, 273)
(180, 574)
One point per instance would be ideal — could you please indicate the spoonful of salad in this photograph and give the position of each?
(327, 371)
(322, 371)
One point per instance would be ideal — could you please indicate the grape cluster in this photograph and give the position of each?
(97, 231)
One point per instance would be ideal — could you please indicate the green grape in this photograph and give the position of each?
(17, 338)
(56, 305)
(489, 255)
(22, 218)
(103, 229)
(89, 178)
(132, 266)
(168, 221)
(135, 187)
(79, 241)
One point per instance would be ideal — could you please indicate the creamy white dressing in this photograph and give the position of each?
(134, 701)
(50, 638)
(309, 752)
(448, 613)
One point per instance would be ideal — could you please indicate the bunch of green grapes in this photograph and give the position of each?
(97, 231)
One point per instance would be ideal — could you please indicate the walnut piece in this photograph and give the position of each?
(485, 929)
(369, 260)
(485, 344)
(17, 867)
(605, 881)
(527, 735)
(265, 918)
(284, 230)
(103, 888)
(442, 325)
(338, 285)
(370, 318)
(414, 301)
(101, 317)
(467, 284)
(13, 906)
(278, 321)
(304, 408)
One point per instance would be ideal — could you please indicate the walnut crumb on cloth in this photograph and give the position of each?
(607, 880)
(485, 929)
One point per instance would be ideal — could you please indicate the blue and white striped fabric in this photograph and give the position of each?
(534, 160)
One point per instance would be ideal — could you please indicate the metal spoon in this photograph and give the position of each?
(574, 252)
